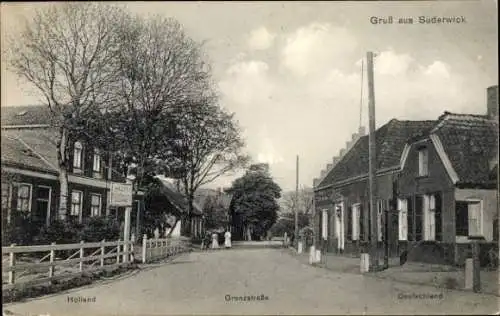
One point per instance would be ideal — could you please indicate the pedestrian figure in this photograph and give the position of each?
(227, 241)
(215, 242)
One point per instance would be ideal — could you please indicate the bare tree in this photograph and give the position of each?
(68, 51)
(304, 201)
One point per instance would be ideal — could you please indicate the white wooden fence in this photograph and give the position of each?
(159, 248)
(120, 255)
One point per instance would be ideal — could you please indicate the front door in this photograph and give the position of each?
(393, 233)
(41, 212)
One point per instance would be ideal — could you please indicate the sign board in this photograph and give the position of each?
(121, 194)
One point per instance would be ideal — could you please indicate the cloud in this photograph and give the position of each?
(247, 82)
(390, 63)
(316, 46)
(261, 39)
(313, 107)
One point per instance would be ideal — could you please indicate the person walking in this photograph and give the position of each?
(215, 242)
(227, 241)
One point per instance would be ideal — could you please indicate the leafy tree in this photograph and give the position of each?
(206, 145)
(254, 203)
(216, 214)
(67, 52)
(286, 223)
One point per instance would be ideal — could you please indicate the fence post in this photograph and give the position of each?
(52, 257)
(118, 252)
(12, 263)
(81, 255)
(103, 251)
(144, 247)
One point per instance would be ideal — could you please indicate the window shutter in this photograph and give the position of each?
(350, 223)
(475, 219)
(380, 210)
(324, 230)
(355, 222)
(403, 219)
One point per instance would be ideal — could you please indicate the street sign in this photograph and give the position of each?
(121, 194)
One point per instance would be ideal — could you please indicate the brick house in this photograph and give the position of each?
(444, 174)
(447, 189)
(30, 173)
(341, 197)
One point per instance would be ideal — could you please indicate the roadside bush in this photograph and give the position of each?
(22, 230)
(96, 229)
(451, 283)
(60, 232)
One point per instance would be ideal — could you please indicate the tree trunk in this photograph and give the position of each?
(190, 213)
(62, 159)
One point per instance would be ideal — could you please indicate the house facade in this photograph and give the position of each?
(436, 185)
(342, 197)
(447, 190)
(30, 182)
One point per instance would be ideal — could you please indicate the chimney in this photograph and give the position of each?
(315, 182)
(342, 152)
(336, 160)
(354, 137)
(492, 102)
(329, 167)
(323, 173)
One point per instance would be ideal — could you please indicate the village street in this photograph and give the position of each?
(197, 283)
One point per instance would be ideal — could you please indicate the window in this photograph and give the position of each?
(350, 223)
(76, 203)
(77, 155)
(95, 205)
(475, 218)
(23, 197)
(96, 166)
(423, 160)
(355, 221)
(469, 218)
(403, 219)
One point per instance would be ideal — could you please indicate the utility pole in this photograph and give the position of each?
(296, 238)
(374, 256)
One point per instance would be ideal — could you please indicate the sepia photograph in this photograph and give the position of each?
(250, 158)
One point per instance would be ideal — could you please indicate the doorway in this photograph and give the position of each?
(42, 209)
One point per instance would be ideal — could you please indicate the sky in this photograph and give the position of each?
(291, 71)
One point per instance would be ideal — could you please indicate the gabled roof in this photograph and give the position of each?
(25, 115)
(17, 153)
(471, 144)
(176, 198)
(390, 139)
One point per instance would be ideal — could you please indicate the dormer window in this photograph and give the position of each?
(77, 155)
(97, 161)
(423, 162)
